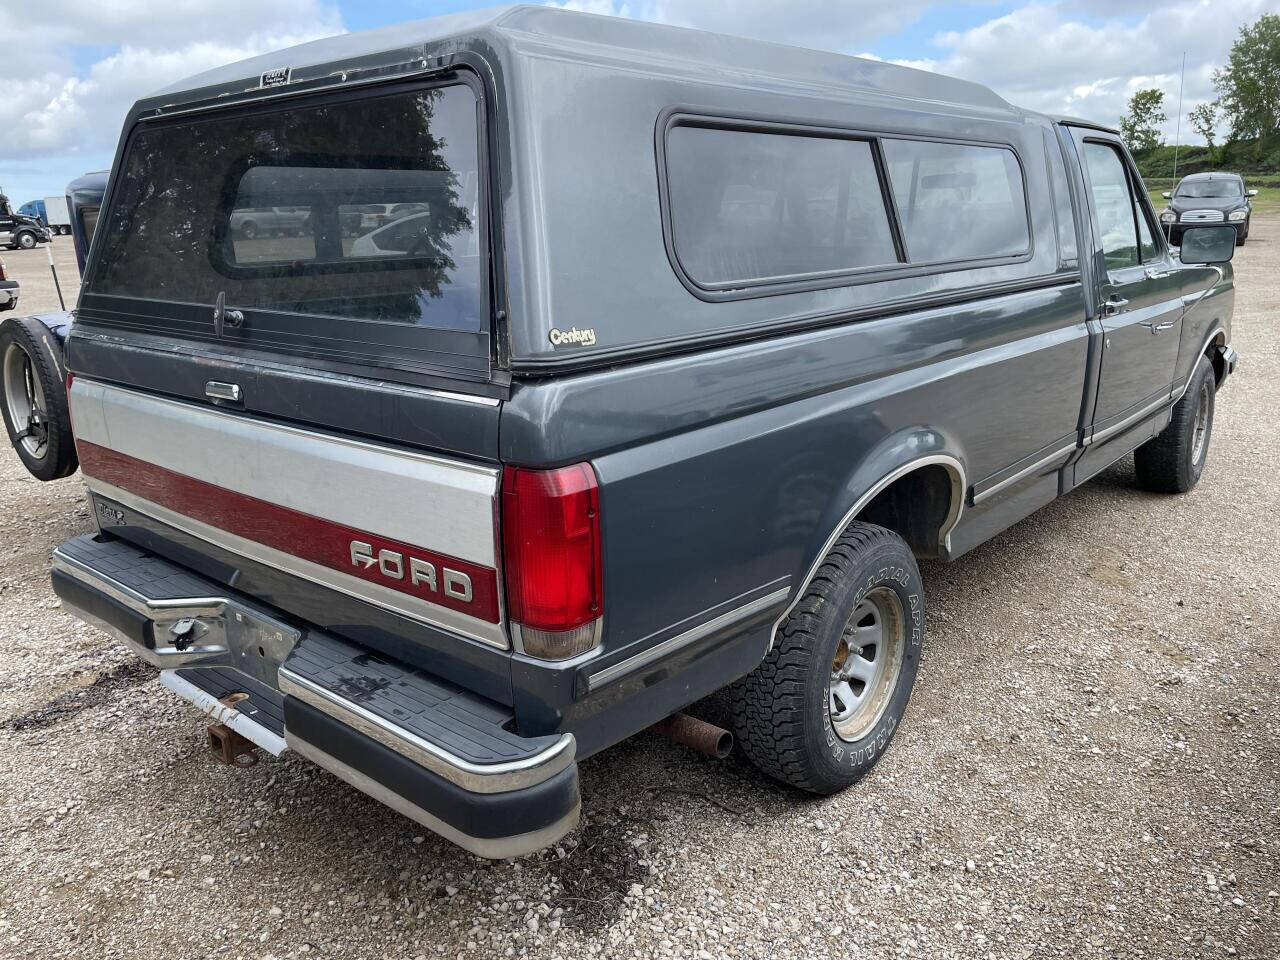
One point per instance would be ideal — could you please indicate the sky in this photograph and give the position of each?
(74, 67)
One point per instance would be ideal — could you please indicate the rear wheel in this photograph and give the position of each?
(822, 707)
(1173, 461)
(35, 399)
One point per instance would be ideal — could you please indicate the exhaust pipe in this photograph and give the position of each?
(708, 739)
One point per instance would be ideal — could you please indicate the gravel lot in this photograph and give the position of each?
(1088, 768)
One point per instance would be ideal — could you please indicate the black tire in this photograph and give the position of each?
(26, 240)
(1173, 461)
(783, 710)
(41, 359)
(1242, 236)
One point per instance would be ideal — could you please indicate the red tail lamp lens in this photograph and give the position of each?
(551, 535)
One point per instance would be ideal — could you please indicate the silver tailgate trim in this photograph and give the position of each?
(437, 503)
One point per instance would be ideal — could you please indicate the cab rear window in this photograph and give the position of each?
(365, 209)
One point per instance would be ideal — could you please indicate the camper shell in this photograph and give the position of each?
(642, 344)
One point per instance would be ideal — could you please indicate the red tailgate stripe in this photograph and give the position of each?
(283, 528)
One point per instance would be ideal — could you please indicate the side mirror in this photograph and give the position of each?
(1251, 193)
(1208, 245)
(1168, 194)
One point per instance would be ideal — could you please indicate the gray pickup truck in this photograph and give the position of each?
(685, 349)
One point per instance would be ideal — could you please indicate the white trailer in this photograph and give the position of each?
(56, 215)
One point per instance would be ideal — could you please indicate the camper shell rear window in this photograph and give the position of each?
(349, 229)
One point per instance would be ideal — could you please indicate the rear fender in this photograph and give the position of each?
(890, 460)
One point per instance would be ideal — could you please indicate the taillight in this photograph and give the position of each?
(552, 566)
(2, 273)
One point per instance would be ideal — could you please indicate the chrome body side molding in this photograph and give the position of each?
(724, 621)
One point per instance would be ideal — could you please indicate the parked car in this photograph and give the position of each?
(9, 290)
(1208, 198)
(253, 221)
(726, 361)
(19, 231)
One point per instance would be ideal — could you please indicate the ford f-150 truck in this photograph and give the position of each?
(680, 353)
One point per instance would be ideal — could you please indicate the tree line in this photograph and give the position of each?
(1248, 101)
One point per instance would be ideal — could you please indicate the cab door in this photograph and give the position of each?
(1140, 294)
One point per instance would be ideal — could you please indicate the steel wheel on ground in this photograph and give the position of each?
(820, 710)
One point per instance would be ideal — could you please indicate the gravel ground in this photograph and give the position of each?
(31, 269)
(1088, 769)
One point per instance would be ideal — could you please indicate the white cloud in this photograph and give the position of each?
(62, 110)
(1044, 57)
(73, 67)
(1081, 57)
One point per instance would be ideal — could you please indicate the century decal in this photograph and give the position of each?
(421, 573)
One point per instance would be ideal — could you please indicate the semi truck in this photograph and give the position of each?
(50, 211)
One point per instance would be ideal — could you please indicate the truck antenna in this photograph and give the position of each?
(1177, 137)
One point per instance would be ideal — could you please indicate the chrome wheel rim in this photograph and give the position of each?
(1200, 434)
(868, 661)
(25, 402)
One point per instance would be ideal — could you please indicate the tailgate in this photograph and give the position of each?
(410, 532)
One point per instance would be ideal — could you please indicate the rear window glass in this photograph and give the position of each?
(957, 201)
(748, 206)
(364, 209)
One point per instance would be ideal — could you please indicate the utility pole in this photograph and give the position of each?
(1177, 137)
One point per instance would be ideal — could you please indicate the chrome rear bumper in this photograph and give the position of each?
(432, 751)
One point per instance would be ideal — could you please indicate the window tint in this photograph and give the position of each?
(957, 202)
(278, 211)
(1112, 204)
(1065, 219)
(750, 206)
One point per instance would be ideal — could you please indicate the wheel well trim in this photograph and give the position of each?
(955, 470)
(1214, 332)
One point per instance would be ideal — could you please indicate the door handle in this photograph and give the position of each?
(1114, 305)
(1154, 273)
(1159, 327)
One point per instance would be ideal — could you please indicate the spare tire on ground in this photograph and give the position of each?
(33, 398)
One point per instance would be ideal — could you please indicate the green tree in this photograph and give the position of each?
(1140, 127)
(1204, 121)
(1249, 85)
